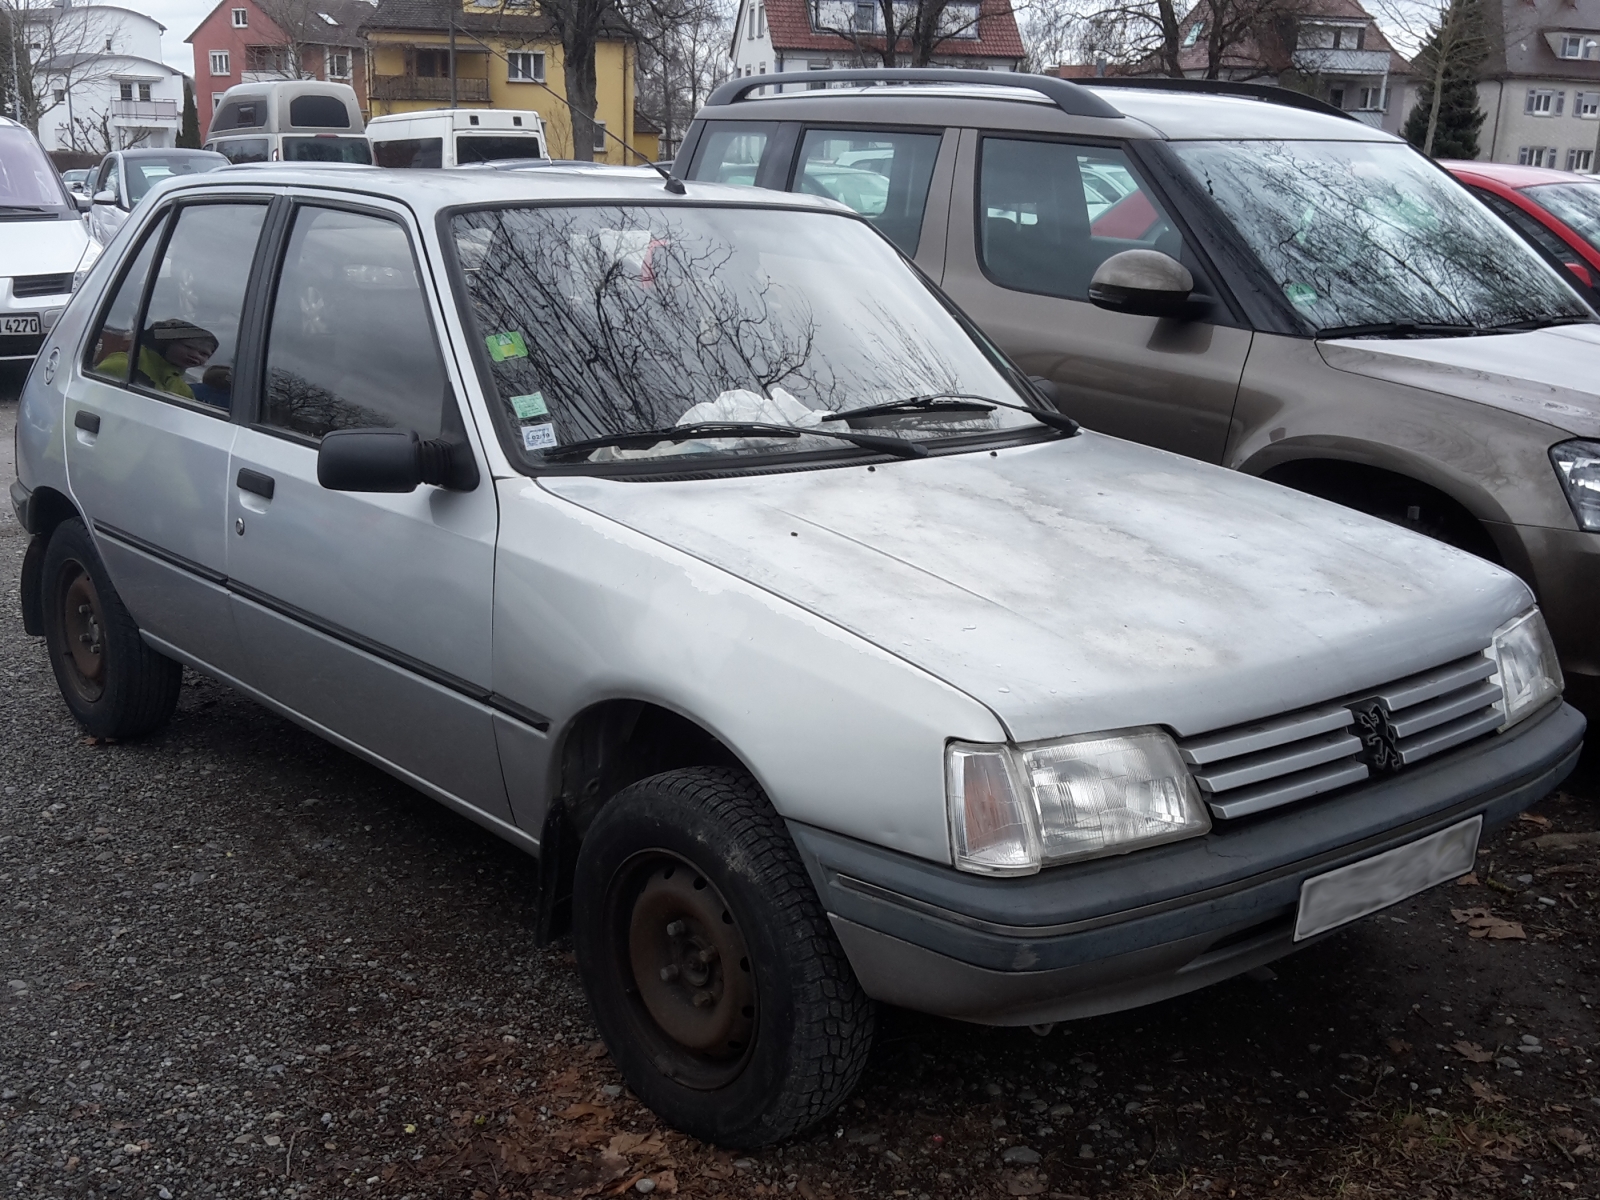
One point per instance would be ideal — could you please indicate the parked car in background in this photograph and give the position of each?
(1278, 288)
(1558, 212)
(816, 656)
(124, 177)
(44, 246)
(75, 179)
(300, 120)
(456, 137)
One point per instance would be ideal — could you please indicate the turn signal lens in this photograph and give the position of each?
(990, 825)
(1526, 667)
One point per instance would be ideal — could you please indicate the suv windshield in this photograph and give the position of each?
(1575, 204)
(1372, 233)
(598, 321)
(27, 180)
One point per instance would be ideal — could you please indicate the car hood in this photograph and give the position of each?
(42, 247)
(1087, 583)
(1550, 375)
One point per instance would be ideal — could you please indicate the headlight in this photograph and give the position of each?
(1578, 468)
(1014, 809)
(1525, 666)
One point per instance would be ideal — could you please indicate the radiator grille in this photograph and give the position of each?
(1251, 768)
(23, 286)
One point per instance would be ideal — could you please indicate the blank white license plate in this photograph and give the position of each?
(26, 323)
(1328, 901)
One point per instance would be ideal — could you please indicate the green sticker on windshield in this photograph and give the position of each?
(506, 345)
(1300, 295)
(531, 405)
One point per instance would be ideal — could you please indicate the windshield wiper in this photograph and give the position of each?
(645, 438)
(949, 402)
(1399, 329)
(1539, 323)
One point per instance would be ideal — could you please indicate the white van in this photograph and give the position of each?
(456, 137)
(44, 246)
(300, 120)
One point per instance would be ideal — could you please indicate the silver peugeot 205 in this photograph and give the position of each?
(690, 540)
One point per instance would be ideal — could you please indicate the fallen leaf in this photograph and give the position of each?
(1024, 1183)
(666, 1183)
(1564, 841)
(595, 1049)
(1473, 1052)
(79, 985)
(576, 1112)
(1483, 1091)
(1397, 1047)
(1534, 819)
(1482, 923)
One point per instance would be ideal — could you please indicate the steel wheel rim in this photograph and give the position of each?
(687, 966)
(82, 626)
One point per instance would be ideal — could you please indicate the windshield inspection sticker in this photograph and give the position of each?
(506, 345)
(538, 437)
(529, 406)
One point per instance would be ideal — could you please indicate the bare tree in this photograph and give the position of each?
(74, 51)
(1151, 37)
(683, 54)
(900, 32)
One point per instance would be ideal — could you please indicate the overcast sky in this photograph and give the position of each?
(180, 17)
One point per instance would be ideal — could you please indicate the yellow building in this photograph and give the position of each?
(505, 57)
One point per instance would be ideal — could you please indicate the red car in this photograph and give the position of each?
(1557, 211)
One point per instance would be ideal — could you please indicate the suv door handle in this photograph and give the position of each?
(87, 421)
(255, 481)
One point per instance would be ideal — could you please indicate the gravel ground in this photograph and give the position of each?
(235, 961)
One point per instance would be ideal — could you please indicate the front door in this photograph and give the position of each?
(149, 432)
(1031, 219)
(365, 614)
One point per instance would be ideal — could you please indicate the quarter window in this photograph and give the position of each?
(351, 345)
(883, 176)
(1051, 213)
(190, 330)
(731, 153)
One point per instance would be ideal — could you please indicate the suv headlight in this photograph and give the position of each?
(1578, 469)
(1014, 809)
(1526, 667)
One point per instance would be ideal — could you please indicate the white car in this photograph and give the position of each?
(44, 247)
(123, 177)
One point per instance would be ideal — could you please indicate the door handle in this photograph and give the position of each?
(256, 482)
(87, 421)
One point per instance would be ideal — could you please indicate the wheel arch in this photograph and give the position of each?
(47, 508)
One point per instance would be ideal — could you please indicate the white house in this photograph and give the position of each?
(99, 79)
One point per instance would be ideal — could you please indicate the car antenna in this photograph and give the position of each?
(674, 184)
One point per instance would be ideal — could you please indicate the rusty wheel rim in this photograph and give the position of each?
(82, 631)
(691, 972)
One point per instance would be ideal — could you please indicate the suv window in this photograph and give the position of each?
(409, 152)
(190, 327)
(108, 179)
(351, 344)
(730, 152)
(1051, 212)
(884, 176)
(243, 150)
(108, 352)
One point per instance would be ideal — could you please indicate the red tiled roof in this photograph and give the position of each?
(789, 22)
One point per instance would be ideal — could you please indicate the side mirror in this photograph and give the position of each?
(83, 202)
(392, 460)
(1147, 283)
(105, 197)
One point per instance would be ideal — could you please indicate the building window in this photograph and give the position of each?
(525, 66)
(1536, 156)
(750, 24)
(1543, 102)
(1372, 99)
(866, 16)
(241, 18)
(124, 91)
(761, 20)
(1194, 33)
(1580, 160)
(599, 137)
(144, 91)
(338, 64)
(216, 100)
(61, 95)
(1336, 96)
(1576, 45)
(269, 60)
(1586, 104)
(108, 45)
(219, 62)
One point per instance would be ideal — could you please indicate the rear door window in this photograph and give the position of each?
(108, 351)
(731, 152)
(1049, 213)
(409, 152)
(489, 147)
(883, 175)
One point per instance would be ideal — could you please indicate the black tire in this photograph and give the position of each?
(114, 684)
(758, 1052)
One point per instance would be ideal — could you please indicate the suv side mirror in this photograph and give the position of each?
(105, 197)
(1147, 283)
(392, 460)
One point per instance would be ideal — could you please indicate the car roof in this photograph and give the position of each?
(427, 192)
(1147, 112)
(1510, 174)
(168, 152)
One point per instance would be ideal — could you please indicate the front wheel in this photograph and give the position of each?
(714, 978)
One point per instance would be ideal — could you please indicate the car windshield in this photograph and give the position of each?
(1372, 233)
(1575, 204)
(27, 180)
(598, 321)
(144, 173)
(327, 148)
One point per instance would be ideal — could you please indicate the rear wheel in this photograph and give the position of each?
(713, 975)
(114, 684)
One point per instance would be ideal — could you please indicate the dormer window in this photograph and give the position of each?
(1579, 46)
(1194, 33)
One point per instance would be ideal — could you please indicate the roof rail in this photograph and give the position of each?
(1068, 97)
(1269, 93)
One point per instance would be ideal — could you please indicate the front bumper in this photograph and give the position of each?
(1115, 933)
(22, 347)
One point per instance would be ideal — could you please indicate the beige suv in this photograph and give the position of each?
(1232, 272)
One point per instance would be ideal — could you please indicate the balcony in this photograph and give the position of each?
(1341, 62)
(469, 88)
(144, 111)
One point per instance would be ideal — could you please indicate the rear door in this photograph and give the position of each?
(1031, 219)
(367, 615)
